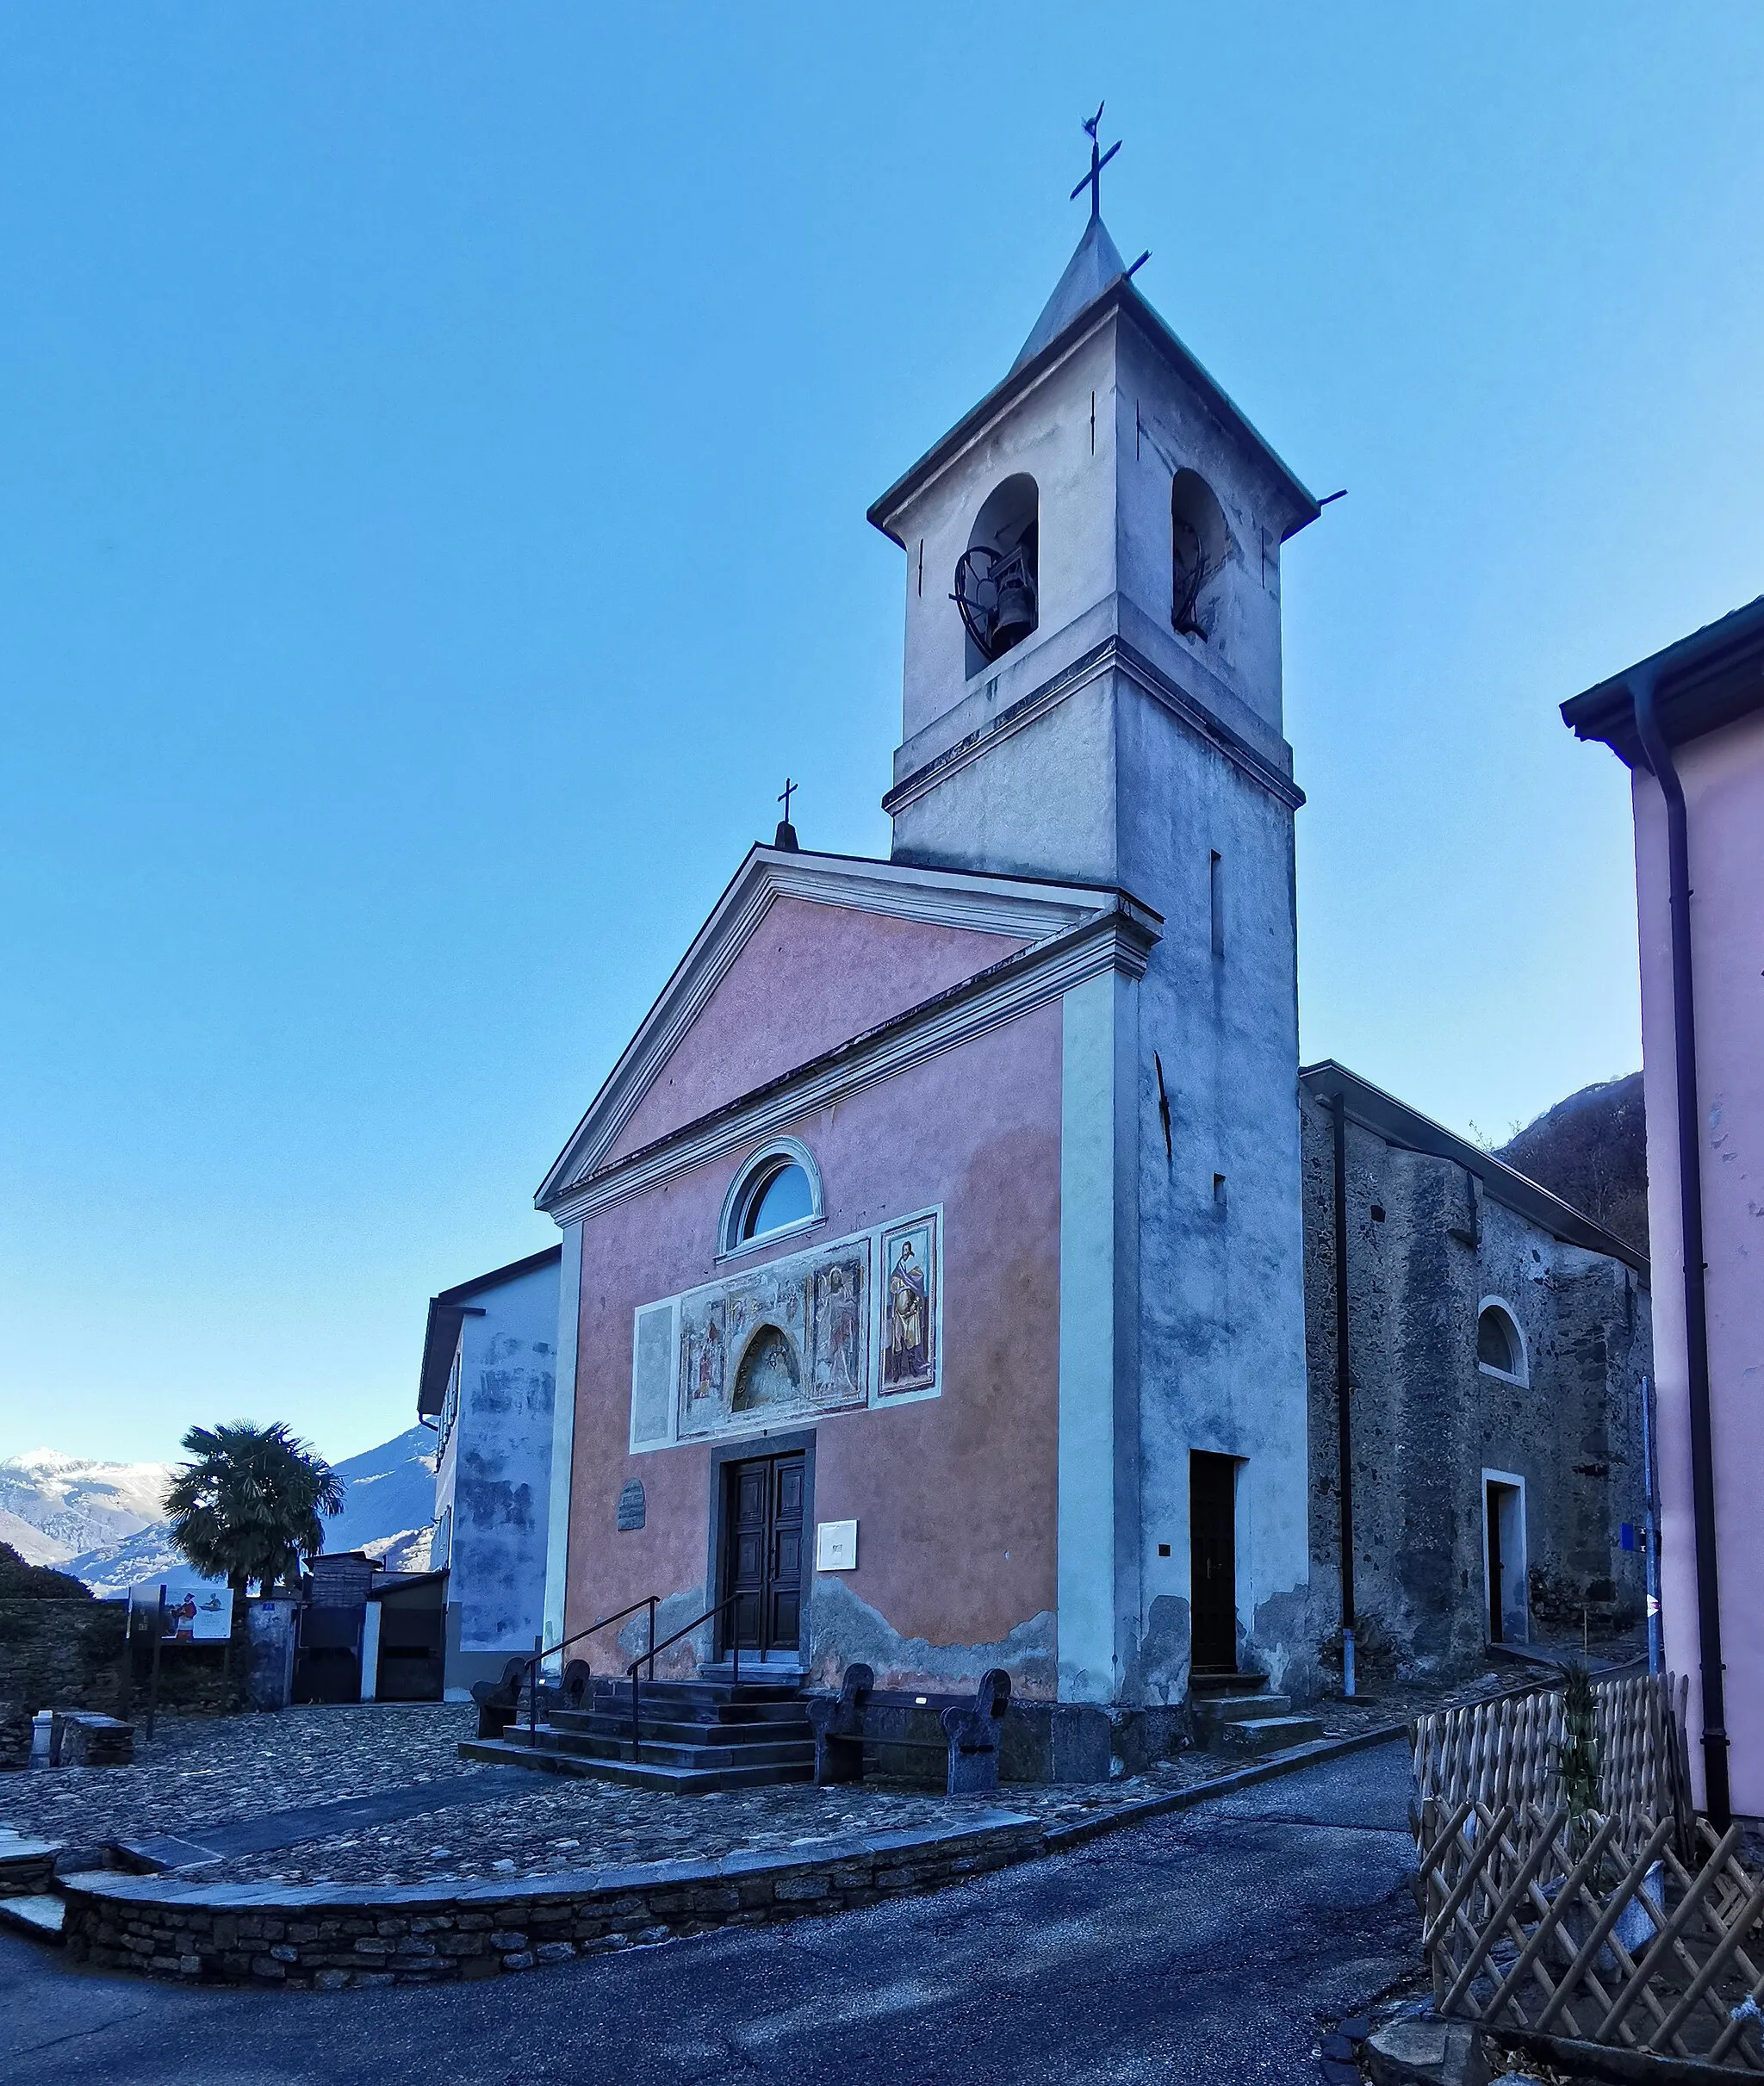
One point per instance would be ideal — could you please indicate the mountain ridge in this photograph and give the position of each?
(103, 1522)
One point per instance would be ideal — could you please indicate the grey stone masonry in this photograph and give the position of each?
(82, 1738)
(27, 1863)
(333, 1937)
(1438, 1231)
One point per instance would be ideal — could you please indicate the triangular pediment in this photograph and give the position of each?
(802, 953)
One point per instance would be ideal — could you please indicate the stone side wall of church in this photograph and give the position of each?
(955, 1495)
(1427, 1422)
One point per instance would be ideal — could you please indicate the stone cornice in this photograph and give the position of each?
(1113, 655)
(1119, 938)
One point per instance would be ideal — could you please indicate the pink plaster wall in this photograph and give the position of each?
(1723, 781)
(808, 977)
(955, 1497)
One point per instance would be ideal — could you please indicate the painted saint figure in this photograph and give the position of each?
(837, 1364)
(909, 1346)
(709, 1379)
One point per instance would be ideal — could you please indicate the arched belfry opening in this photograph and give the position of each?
(1200, 545)
(997, 577)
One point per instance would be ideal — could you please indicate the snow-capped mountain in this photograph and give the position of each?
(103, 1522)
(56, 1507)
(389, 1491)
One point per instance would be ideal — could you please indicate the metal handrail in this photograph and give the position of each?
(647, 1601)
(648, 1659)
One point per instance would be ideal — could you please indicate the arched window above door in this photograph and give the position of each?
(776, 1193)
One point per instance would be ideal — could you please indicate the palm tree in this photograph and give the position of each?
(246, 1505)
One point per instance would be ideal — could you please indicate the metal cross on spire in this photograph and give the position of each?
(785, 794)
(1099, 159)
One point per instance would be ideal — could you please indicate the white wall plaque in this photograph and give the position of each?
(835, 1546)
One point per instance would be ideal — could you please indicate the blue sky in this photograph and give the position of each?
(434, 444)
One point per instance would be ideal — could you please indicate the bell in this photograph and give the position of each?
(1015, 617)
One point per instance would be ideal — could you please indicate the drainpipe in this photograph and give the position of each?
(1651, 1529)
(1690, 1190)
(1343, 1393)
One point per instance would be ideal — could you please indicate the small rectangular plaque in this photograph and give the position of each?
(835, 1546)
(632, 1506)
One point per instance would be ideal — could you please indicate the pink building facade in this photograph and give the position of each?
(932, 1291)
(1689, 723)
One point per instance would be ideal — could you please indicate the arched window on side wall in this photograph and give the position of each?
(778, 1191)
(999, 577)
(1199, 546)
(1500, 1346)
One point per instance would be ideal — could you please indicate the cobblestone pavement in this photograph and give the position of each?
(208, 1771)
(216, 1770)
(1212, 1948)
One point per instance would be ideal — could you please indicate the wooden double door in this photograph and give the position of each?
(762, 1509)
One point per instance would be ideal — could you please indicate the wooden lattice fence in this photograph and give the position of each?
(1632, 1923)
(1509, 1751)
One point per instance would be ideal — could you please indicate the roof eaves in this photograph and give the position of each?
(1398, 1124)
(1120, 296)
(497, 1276)
(1711, 678)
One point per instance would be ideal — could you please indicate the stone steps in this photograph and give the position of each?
(704, 1734)
(1238, 1713)
(644, 1774)
(37, 1915)
(1241, 1709)
(25, 1864)
(704, 1749)
(1266, 1733)
(720, 1695)
(682, 1731)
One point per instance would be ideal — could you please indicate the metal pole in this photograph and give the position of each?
(533, 1689)
(153, 1678)
(1344, 1393)
(1651, 1529)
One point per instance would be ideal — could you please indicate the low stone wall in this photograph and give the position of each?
(331, 1937)
(59, 1655)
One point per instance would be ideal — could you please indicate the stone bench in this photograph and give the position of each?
(82, 1738)
(499, 1701)
(843, 1728)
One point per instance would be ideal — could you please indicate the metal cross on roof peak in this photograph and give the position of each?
(785, 794)
(1099, 159)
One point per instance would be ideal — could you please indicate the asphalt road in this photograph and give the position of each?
(1205, 1946)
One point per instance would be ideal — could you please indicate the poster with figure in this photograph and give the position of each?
(910, 1306)
(197, 1612)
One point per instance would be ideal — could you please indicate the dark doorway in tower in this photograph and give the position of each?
(762, 1520)
(1213, 1561)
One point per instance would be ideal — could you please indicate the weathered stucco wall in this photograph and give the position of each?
(808, 977)
(1724, 782)
(1428, 1420)
(1220, 1287)
(495, 1470)
(955, 1496)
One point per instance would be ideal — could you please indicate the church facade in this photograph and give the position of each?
(934, 1284)
(938, 1235)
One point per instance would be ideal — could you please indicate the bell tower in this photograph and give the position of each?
(1092, 693)
(1093, 565)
